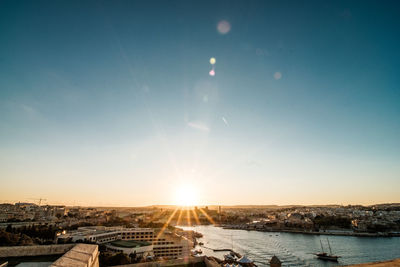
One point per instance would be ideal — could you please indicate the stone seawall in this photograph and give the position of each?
(19, 251)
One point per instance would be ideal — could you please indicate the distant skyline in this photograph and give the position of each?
(131, 103)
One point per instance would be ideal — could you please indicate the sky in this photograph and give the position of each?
(116, 103)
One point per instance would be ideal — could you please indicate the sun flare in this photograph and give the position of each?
(186, 195)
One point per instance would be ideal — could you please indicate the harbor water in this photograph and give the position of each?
(296, 249)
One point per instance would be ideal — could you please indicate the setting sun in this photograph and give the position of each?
(186, 195)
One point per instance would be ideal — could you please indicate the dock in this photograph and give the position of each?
(224, 249)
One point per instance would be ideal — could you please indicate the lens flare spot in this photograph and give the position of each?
(223, 27)
(277, 75)
(212, 73)
(213, 60)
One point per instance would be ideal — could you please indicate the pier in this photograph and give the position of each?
(224, 249)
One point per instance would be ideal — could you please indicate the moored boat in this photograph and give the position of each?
(324, 255)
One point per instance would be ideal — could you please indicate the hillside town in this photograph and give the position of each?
(134, 235)
(383, 218)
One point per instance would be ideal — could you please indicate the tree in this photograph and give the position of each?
(111, 260)
(133, 257)
(11, 239)
(9, 228)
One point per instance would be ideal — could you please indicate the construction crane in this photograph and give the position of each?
(39, 200)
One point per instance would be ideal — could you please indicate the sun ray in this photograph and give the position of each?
(158, 215)
(179, 217)
(196, 218)
(166, 224)
(188, 217)
(207, 216)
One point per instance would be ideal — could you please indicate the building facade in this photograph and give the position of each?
(168, 245)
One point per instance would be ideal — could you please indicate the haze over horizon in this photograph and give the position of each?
(211, 102)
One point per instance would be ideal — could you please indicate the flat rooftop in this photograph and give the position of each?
(129, 243)
(81, 255)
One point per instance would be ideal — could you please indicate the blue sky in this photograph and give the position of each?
(111, 102)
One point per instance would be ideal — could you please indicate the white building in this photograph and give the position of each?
(168, 245)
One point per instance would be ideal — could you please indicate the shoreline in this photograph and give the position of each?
(384, 262)
(388, 263)
(338, 233)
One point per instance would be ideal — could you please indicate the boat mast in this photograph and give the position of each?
(321, 246)
(330, 250)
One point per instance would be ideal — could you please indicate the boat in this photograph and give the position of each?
(245, 261)
(229, 257)
(324, 255)
(197, 252)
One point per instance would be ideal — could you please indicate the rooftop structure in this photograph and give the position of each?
(140, 248)
(130, 243)
(81, 255)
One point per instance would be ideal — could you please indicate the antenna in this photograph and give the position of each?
(329, 246)
(232, 240)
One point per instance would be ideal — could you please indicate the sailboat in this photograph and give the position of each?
(324, 255)
(231, 256)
